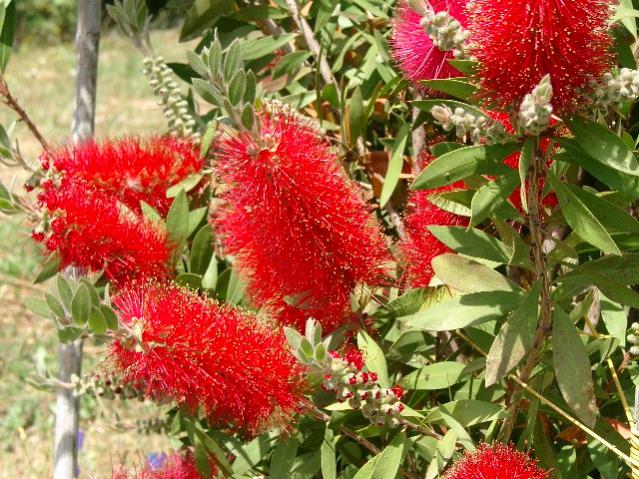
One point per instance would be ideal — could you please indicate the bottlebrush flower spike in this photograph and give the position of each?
(414, 50)
(518, 42)
(496, 461)
(91, 229)
(206, 356)
(299, 229)
(176, 466)
(134, 169)
(419, 245)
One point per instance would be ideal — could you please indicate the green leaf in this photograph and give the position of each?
(466, 310)
(177, 220)
(7, 34)
(467, 67)
(601, 144)
(55, 305)
(356, 120)
(469, 276)
(514, 339)
(374, 358)
(610, 215)
(110, 317)
(202, 250)
(472, 242)
(581, 219)
(209, 279)
(435, 376)
(260, 47)
(65, 291)
(289, 63)
(81, 304)
(189, 280)
(572, 368)
(409, 303)
(196, 217)
(220, 455)
(233, 59)
(50, 267)
(202, 16)
(617, 181)
(468, 412)
(327, 455)
(187, 184)
(97, 322)
(37, 306)
(394, 166)
(615, 318)
(283, 458)
(464, 162)
(493, 195)
(69, 334)
(452, 86)
(151, 214)
(390, 459)
(237, 86)
(208, 92)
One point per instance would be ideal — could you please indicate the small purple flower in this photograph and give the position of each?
(79, 440)
(156, 460)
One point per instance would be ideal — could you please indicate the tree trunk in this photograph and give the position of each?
(87, 42)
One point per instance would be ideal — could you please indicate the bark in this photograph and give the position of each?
(70, 355)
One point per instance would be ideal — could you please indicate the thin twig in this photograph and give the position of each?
(313, 45)
(535, 225)
(12, 103)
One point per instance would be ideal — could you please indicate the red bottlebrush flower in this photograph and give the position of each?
(419, 245)
(302, 235)
(496, 461)
(133, 169)
(206, 356)
(90, 229)
(175, 466)
(518, 42)
(414, 51)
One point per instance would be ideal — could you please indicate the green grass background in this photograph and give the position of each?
(42, 77)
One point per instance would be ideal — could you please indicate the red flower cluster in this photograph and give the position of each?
(175, 467)
(420, 246)
(201, 354)
(91, 203)
(518, 42)
(496, 461)
(414, 51)
(302, 235)
(133, 169)
(89, 229)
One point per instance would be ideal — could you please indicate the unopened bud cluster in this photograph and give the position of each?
(612, 91)
(633, 339)
(479, 129)
(535, 111)
(106, 386)
(175, 107)
(344, 375)
(446, 32)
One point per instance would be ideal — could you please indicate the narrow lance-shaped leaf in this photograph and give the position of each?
(469, 276)
(394, 166)
(572, 368)
(514, 339)
(464, 162)
(490, 197)
(581, 219)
